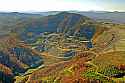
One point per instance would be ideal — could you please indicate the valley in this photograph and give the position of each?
(61, 48)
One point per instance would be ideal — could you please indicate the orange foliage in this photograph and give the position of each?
(5, 69)
(121, 66)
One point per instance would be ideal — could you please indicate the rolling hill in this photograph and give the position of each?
(60, 47)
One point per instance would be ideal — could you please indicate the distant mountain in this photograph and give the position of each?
(46, 13)
(8, 20)
(116, 17)
(19, 14)
(64, 22)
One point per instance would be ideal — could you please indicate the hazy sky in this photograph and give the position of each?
(62, 5)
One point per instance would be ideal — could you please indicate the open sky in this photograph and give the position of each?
(62, 5)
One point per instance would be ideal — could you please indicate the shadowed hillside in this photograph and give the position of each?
(60, 47)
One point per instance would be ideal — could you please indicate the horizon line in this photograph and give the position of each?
(33, 11)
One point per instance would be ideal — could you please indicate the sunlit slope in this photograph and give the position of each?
(111, 39)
